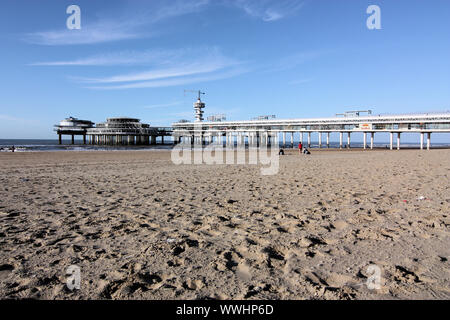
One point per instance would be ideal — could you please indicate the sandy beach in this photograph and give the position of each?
(140, 227)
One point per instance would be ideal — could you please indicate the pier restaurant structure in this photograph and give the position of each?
(126, 131)
(263, 132)
(73, 127)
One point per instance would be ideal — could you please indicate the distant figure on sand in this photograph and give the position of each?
(300, 148)
(13, 149)
(306, 151)
(281, 152)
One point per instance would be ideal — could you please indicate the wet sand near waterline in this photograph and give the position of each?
(140, 227)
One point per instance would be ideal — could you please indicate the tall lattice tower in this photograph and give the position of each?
(198, 107)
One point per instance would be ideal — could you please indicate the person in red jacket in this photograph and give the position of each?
(300, 148)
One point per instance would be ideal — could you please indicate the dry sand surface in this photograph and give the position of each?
(140, 227)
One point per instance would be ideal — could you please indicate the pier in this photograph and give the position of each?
(73, 127)
(267, 131)
(115, 131)
(261, 131)
(126, 131)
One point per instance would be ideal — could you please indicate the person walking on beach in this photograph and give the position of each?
(300, 148)
(13, 149)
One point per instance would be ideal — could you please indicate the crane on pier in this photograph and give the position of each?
(354, 113)
(196, 91)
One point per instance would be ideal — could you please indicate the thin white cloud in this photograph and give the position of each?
(128, 26)
(156, 57)
(179, 71)
(175, 81)
(179, 8)
(135, 21)
(269, 10)
(168, 67)
(99, 32)
(126, 58)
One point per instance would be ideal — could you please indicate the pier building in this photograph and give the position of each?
(73, 127)
(266, 131)
(126, 131)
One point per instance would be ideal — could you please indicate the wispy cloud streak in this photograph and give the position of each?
(168, 68)
(179, 71)
(269, 10)
(111, 29)
(174, 82)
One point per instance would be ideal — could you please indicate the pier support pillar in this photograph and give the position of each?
(284, 139)
(60, 138)
(292, 139)
(73, 139)
(328, 139)
(398, 140)
(162, 139)
(428, 140)
(84, 139)
(348, 140)
(275, 140)
(340, 139)
(391, 138)
(364, 140)
(421, 141)
(309, 139)
(320, 139)
(371, 139)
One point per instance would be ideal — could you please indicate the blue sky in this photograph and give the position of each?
(291, 58)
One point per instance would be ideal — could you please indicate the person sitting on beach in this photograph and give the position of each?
(306, 151)
(281, 152)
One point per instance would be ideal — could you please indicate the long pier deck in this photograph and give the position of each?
(263, 132)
